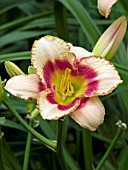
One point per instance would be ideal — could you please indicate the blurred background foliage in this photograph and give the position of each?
(78, 22)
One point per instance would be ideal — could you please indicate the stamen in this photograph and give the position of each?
(66, 88)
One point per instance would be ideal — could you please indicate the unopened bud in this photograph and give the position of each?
(12, 69)
(2, 120)
(31, 70)
(121, 125)
(110, 40)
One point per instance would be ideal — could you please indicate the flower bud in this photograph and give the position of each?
(110, 40)
(2, 120)
(31, 70)
(104, 7)
(121, 125)
(12, 69)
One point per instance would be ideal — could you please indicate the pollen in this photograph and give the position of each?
(66, 88)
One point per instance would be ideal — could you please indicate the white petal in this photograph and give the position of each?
(106, 75)
(80, 52)
(104, 6)
(90, 114)
(26, 87)
(49, 48)
(51, 111)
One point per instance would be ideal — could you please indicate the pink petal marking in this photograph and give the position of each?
(73, 103)
(81, 70)
(63, 64)
(105, 78)
(51, 68)
(90, 75)
(83, 102)
(48, 70)
(41, 87)
(52, 111)
(46, 49)
(92, 86)
(50, 98)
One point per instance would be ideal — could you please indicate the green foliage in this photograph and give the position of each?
(21, 23)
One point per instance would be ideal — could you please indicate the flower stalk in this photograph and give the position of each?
(28, 147)
(45, 141)
(2, 120)
(60, 144)
(87, 149)
(121, 128)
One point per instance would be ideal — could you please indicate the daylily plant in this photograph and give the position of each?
(68, 81)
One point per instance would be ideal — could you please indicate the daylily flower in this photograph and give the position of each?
(68, 81)
(104, 6)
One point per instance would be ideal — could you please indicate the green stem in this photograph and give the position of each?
(61, 20)
(60, 145)
(28, 146)
(65, 159)
(87, 147)
(119, 132)
(44, 140)
(1, 153)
